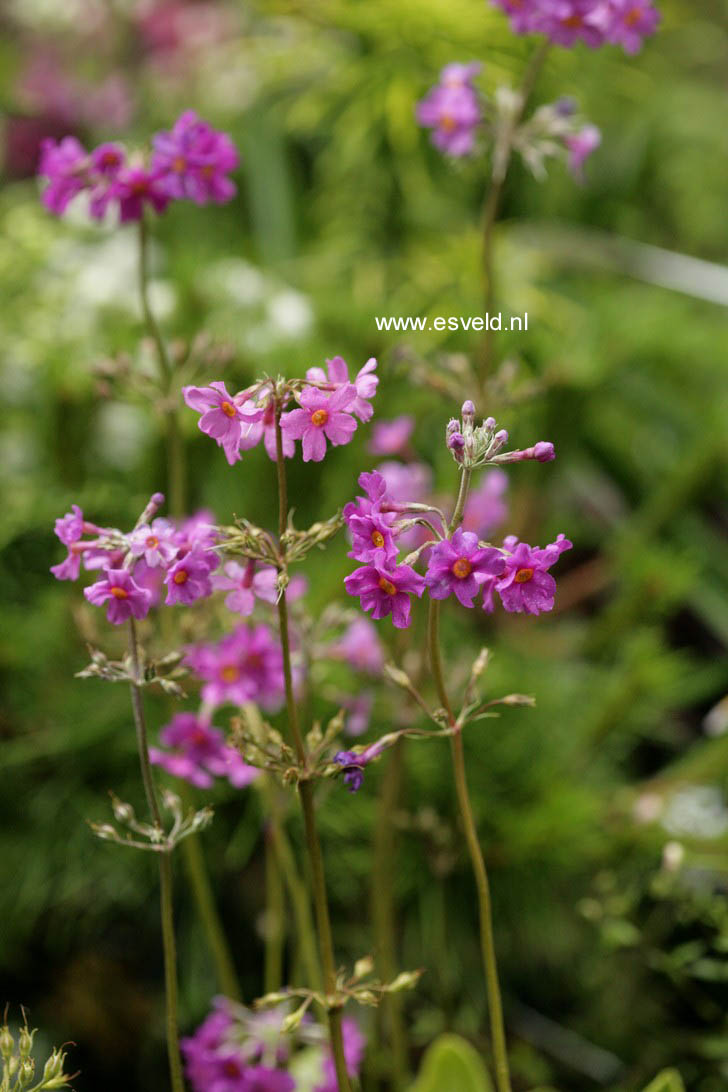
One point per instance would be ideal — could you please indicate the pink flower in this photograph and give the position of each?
(580, 146)
(194, 161)
(319, 419)
(628, 22)
(134, 187)
(338, 376)
(124, 597)
(460, 566)
(386, 591)
(264, 428)
(222, 417)
(486, 507)
(199, 753)
(371, 537)
(65, 164)
(246, 665)
(244, 585)
(156, 543)
(451, 109)
(525, 584)
(188, 579)
(360, 646)
(391, 437)
(406, 482)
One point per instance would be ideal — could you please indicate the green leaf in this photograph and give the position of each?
(452, 1063)
(667, 1081)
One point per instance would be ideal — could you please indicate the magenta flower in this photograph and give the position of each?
(451, 109)
(222, 418)
(386, 591)
(246, 665)
(69, 529)
(354, 1044)
(65, 164)
(156, 543)
(245, 585)
(526, 585)
(595, 22)
(486, 507)
(194, 161)
(199, 754)
(134, 187)
(406, 482)
(375, 487)
(580, 146)
(319, 419)
(460, 566)
(124, 597)
(372, 538)
(629, 22)
(360, 646)
(188, 579)
(392, 437)
(107, 160)
(264, 428)
(365, 383)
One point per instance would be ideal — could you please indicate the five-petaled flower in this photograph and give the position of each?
(320, 418)
(526, 585)
(459, 566)
(386, 591)
(124, 598)
(223, 418)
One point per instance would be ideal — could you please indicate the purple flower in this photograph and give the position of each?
(69, 529)
(199, 754)
(580, 146)
(156, 543)
(406, 482)
(319, 419)
(65, 164)
(189, 578)
(372, 538)
(244, 585)
(526, 585)
(451, 109)
(124, 597)
(625, 22)
(486, 508)
(194, 160)
(134, 187)
(246, 665)
(365, 383)
(353, 769)
(460, 566)
(360, 646)
(628, 22)
(386, 591)
(222, 417)
(392, 437)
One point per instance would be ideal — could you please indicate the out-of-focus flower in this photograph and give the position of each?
(124, 598)
(194, 161)
(246, 665)
(580, 146)
(244, 585)
(392, 437)
(198, 753)
(486, 507)
(360, 646)
(451, 109)
(595, 22)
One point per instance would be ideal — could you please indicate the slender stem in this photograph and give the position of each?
(175, 446)
(165, 874)
(390, 1009)
(457, 516)
(491, 208)
(274, 920)
(199, 881)
(305, 793)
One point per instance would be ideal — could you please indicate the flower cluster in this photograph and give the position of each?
(198, 753)
(595, 22)
(329, 405)
(236, 1050)
(192, 161)
(244, 666)
(458, 563)
(452, 109)
(137, 565)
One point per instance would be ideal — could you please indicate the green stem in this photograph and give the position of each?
(390, 1010)
(305, 793)
(165, 874)
(170, 397)
(491, 208)
(487, 943)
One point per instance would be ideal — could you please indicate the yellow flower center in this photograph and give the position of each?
(319, 418)
(152, 542)
(523, 576)
(377, 539)
(119, 593)
(447, 123)
(387, 586)
(633, 17)
(462, 568)
(179, 164)
(207, 172)
(228, 409)
(181, 577)
(230, 673)
(573, 22)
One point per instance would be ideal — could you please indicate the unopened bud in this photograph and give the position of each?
(26, 1070)
(453, 426)
(468, 414)
(456, 443)
(7, 1044)
(53, 1067)
(25, 1042)
(489, 423)
(123, 813)
(565, 107)
(544, 451)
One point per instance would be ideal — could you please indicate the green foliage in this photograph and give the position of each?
(452, 1063)
(667, 1081)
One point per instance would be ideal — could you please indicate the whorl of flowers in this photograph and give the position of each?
(594, 22)
(190, 162)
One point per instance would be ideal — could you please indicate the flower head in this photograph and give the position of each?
(526, 585)
(199, 753)
(451, 109)
(194, 161)
(223, 418)
(580, 146)
(365, 383)
(188, 579)
(595, 22)
(156, 543)
(124, 598)
(65, 164)
(244, 585)
(386, 591)
(460, 566)
(321, 418)
(246, 665)
(371, 537)
(135, 187)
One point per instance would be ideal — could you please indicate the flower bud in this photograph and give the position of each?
(543, 451)
(7, 1044)
(468, 414)
(489, 423)
(456, 443)
(452, 426)
(25, 1042)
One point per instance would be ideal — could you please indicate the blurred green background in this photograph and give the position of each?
(613, 964)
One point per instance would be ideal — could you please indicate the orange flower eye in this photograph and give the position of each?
(230, 673)
(523, 576)
(377, 539)
(462, 568)
(181, 577)
(387, 586)
(228, 409)
(319, 418)
(119, 593)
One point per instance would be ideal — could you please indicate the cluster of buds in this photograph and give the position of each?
(149, 836)
(554, 129)
(474, 446)
(19, 1067)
